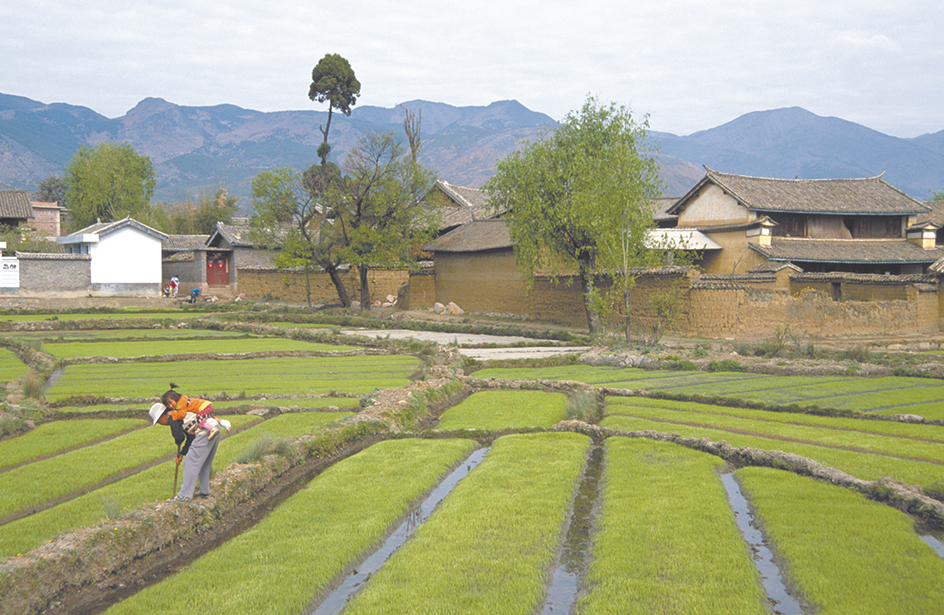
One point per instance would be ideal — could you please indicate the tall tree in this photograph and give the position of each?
(380, 217)
(107, 182)
(51, 190)
(333, 80)
(576, 194)
(287, 216)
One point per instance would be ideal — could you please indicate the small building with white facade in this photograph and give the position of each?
(125, 257)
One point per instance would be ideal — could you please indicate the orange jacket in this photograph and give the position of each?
(187, 404)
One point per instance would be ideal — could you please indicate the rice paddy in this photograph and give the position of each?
(662, 537)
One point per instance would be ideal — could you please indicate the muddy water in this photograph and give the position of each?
(337, 599)
(565, 582)
(931, 537)
(770, 574)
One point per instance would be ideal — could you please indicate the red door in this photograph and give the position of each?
(218, 271)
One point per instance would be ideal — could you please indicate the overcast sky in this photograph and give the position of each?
(689, 65)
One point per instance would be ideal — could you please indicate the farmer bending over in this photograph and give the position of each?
(191, 425)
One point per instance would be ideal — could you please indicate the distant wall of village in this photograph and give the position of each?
(266, 283)
(715, 306)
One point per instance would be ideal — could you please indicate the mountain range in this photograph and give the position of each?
(197, 149)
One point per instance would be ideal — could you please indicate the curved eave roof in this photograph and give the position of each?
(865, 251)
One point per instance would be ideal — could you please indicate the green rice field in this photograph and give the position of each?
(354, 374)
(660, 535)
(891, 395)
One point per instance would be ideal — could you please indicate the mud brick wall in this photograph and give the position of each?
(262, 283)
(54, 272)
(556, 302)
(420, 291)
(743, 314)
(487, 281)
(714, 312)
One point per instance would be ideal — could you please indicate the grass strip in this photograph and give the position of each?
(353, 374)
(496, 410)
(109, 335)
(667, 541)
(156, 348)
(11, 368)
(488, 548)
(56, 436)
(846, 553)
(279, 565)
(862, 465)
(36, 483)
(905, 448)
(934, 433)
(115, 499)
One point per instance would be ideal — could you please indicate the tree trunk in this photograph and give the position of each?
(586, 285)
(365, 289)
(338, 285)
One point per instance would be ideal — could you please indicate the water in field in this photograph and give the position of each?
(337, 599)
(565, 583)
(783, 603)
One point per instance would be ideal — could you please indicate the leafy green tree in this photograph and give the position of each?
(579, 199)
(333, 80)
(287, 216)
(379, 213)
(937, 196)
(51, 190)
(107, 182)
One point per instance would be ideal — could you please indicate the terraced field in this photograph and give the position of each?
(659, 535)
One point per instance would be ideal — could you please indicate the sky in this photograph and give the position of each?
(686, 65)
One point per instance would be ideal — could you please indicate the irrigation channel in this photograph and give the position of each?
(337, 600)
(770, 573)
(565, 583)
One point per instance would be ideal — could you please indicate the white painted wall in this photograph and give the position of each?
(714, 206)
(126, 256)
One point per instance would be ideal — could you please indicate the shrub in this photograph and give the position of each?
(726, 365)
(582, 406)
(263, 446)
(33, 385)
(11, 425)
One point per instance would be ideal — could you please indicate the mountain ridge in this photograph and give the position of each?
(195, 149)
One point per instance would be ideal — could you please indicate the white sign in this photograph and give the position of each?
(9, 272)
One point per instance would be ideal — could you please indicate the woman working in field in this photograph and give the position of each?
(193, 426)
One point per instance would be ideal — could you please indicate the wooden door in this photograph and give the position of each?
(218, 270)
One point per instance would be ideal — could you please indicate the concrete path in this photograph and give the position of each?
(470, 343)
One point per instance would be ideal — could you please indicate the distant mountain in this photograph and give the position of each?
(196, 149)
(788, 143)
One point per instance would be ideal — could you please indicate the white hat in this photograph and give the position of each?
(155, 412)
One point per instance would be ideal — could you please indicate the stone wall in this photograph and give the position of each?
(54, 273)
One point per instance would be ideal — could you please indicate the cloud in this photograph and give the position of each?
(687, 64)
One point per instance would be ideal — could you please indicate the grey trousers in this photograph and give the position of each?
(197, 465)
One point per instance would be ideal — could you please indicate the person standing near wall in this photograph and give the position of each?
(174, 283)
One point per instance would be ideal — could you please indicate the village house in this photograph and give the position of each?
(864, 226)
(123, 258)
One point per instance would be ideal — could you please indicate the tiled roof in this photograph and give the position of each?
(473, 237)
(103, 228)
(233, 235)
(935, 215)
(184, 243)
(870, 251)
(864, 196)
(468, 204)
(864, 278)
(15, 204)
